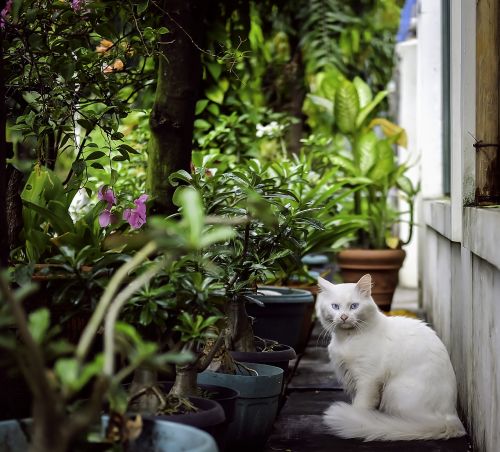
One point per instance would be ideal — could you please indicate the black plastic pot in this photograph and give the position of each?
(226, 398)
(284, 317)
(210, 416)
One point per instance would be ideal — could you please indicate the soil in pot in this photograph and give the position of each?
(268, 352)
(224, 396)
(259, 386)
(382, 265)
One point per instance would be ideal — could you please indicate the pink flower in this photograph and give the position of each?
(5, 13)
(107, 196)
(106, 217)
(136, 217)
(77, 5)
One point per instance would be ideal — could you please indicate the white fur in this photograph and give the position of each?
(396, 369)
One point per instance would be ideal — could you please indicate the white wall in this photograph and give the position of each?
(407, 118)
(461, 254)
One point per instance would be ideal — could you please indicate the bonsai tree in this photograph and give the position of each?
(271, 226)
(182, 304)
(57, 372)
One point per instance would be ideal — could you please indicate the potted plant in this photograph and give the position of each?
(69, 384)
(180, 308)
(365, 150)
(271, 224)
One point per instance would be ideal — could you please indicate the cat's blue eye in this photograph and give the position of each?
(354, 305)
(335, 306)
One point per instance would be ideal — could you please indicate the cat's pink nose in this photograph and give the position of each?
(344, 317)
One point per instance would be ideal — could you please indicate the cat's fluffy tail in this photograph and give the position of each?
(346, 421)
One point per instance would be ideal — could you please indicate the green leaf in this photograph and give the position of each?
(201, 105)
(220, 234)
(215, 94)
(367, 109)
(95, 155)
(385, 163)
(365, 151)
(215, 70)
(38, 324)
(193, 215)
(56, 214)
(321, 102)
(346, 107)
(128, 149)
(364, 92)
(141, 7)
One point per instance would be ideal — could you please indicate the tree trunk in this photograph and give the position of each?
(185, 382)
(49, 426)
(172, 116)
(4, 245)
(242, 337)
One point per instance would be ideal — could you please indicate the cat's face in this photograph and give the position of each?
(345, 306)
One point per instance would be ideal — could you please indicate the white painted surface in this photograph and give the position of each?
(460, 269)
(407, 118)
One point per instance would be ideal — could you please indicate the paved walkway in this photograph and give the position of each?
(310, 391)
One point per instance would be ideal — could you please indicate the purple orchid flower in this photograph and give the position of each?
(106, 217)
(5, 13)
(136, 217)
(77, 5)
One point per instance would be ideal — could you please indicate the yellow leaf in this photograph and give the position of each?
(392, 242)
(391, 130)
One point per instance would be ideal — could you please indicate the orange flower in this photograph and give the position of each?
(117, 66)
(103, 46)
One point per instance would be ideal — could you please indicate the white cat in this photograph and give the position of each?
(396, 370)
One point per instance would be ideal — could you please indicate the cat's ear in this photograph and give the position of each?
(364, 285)
(324, 284)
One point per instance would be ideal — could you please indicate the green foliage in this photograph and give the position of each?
(357, 38)
(367, 157)
(73, 72)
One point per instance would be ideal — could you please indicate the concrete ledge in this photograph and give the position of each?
(481, 233)
(437, 215)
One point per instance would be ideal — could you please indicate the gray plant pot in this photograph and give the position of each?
(256, 407)
(156, 436)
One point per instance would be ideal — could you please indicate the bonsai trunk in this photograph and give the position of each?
(49, 427)
(172, 115)
(185, 384)
(242, 337)
(146, 397)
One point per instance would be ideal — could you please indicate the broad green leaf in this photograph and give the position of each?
(321, 102)
(346, 107)
(365, 151)
(364, 92)
(38, 324)
(201, 105)
(55, 213)
(215, 94)
(385, 163)
(367, 109)
(192, 213)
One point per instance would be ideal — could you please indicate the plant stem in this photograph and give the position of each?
(102, 306)
(114, 311)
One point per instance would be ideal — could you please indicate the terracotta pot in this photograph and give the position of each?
(382, 265)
